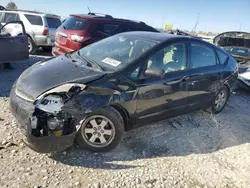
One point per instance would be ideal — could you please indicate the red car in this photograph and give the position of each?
(80, 30)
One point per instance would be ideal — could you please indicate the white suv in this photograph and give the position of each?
(40, 27)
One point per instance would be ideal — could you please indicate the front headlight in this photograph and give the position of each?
(62, 89)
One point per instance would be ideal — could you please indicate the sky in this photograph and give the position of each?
(214, 15)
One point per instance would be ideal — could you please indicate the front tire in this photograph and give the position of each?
(101, 131)
(220, 100)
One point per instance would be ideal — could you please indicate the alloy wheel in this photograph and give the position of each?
(30, 46)
(98, 131)
(220, 100)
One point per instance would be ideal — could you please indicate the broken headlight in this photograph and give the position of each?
(63, 89)
(49, 118)
(51, 104)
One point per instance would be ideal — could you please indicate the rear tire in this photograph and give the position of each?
(32, 46)
(101, 131)
(219, 101)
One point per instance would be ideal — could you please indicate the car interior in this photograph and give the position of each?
(3, 32)
(172, 58)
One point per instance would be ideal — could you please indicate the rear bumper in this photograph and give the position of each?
(44, 40)
(23, 111)
(59, 50)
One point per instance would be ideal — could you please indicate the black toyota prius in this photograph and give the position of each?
(122, 82)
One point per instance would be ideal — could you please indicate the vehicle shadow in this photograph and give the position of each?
(41, 52)
(8, 77)
(195, 133)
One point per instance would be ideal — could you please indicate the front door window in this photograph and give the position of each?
(171, 58)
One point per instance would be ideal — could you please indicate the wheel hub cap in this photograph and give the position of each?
(98, 131)
(220, 100)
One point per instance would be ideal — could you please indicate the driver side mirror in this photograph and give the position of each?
(155, 72)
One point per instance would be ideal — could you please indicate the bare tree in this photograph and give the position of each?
(11, 5)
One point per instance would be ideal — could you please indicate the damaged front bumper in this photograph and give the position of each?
(23, 111)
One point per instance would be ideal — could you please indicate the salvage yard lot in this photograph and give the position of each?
(194, 150)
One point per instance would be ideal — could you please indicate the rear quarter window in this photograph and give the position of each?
(223, 57)
(74, 23)
(33, 19)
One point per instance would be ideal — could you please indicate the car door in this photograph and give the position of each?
(14, 46)
(206, 72)
(161, 98)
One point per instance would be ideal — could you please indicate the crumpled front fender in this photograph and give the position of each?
(90, 100)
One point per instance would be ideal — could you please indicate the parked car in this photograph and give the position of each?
(13, 47)
(80, 30)
(237, 44)
(40, 27)
(244, 77)
(117, 84)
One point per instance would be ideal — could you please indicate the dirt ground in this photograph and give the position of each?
(194, 150)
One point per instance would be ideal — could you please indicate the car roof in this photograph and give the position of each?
(158, 37)
(98, 16)
(30, 12)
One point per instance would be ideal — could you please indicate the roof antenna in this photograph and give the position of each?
(90, 13)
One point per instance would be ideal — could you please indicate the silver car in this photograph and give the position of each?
(40, 27)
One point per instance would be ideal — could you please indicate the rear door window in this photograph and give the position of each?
(202, 55)
(108, 29)
(10, 17)
(33, 19)
(74, 23)
(53, 22)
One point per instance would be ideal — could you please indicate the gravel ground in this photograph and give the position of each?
(194, 150)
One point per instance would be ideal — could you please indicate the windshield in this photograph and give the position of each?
(117, 51)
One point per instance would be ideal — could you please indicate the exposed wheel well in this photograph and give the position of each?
(124, 114)
(30, 37)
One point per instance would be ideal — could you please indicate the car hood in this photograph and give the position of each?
(233, 38)
(53, 72)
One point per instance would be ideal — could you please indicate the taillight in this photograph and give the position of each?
(76, 38)
(45, 31)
